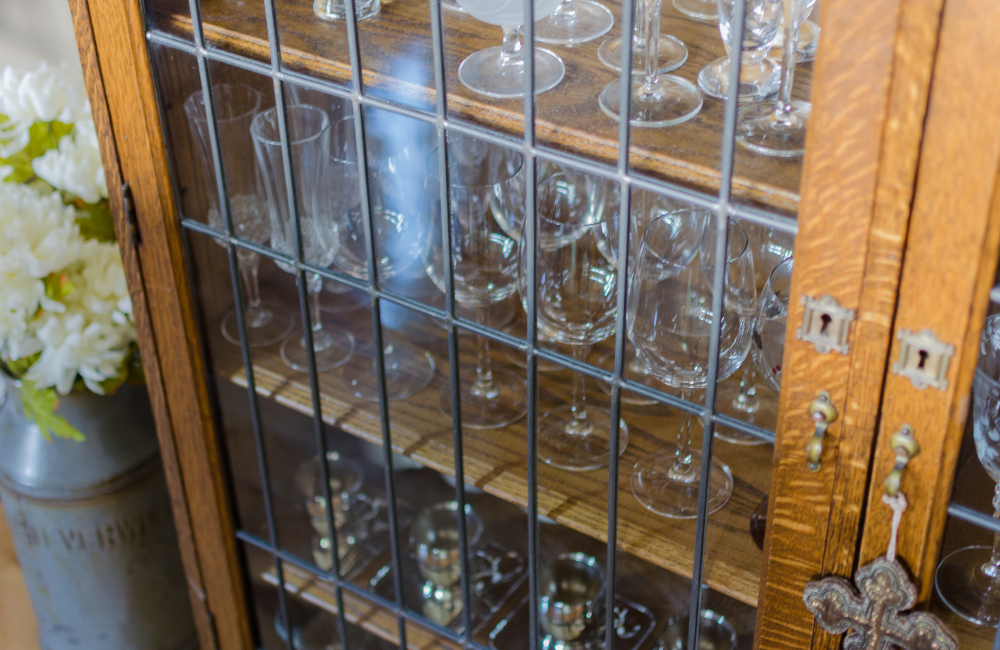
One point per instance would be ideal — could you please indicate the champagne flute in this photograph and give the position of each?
(576, 305)
(307, 134)
(486, 188)
(499, 71)
(235, 108)
(669, 322)
(778, 127)
(658, 100)
(759, 75)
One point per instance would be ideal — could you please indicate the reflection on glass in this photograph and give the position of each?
(716, 633)
(759, 76)
(307, 136)
(499, 71)
(486, 189)
(435, 543)
(656, 101)
(573, 22)
(808, 41)
(235, 108)
(968, 580)
(336, 10)
(770, 323)
(576, 305)
(778, 128)
(670, 322)
(571, 603)
(401, 231)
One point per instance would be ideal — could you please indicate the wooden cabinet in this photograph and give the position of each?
(890, 215)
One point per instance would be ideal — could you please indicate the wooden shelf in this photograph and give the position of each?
(396, 56)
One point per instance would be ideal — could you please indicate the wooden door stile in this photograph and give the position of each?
(170, 347)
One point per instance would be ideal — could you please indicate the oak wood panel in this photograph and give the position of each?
(395, 48)
(951, 257)
(140, 311)
(859, 154)
(119, 37)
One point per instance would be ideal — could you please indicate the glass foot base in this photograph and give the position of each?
(759, 409)
(654, 487)
(336, 10)
(331, 348)
(758, 81)
(408, 370)
(806, 44)
(590, 20)
(272, 324)
(452, 5)
(577, 452)
(676, 100)
(760, 129)
(966, 589)
(704, 10)
(504, 404)
(673, 54)
(482, 73)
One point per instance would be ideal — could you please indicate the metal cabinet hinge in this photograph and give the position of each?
(825, 324)
(128, 204)
(923, 359)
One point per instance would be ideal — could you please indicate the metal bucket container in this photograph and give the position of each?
(93, 528)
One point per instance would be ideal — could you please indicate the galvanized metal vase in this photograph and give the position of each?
(92, 526)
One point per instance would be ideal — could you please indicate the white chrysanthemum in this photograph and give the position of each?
(74, 344)
(41, 95)
(75, 166)
(38, 234)
(103, 290)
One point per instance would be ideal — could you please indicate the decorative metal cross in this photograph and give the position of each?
(874, 613)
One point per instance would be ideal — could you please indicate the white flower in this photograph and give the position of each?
(72, 346)
(103, 289)
(38, 234)
(75, 166)
(41, 95)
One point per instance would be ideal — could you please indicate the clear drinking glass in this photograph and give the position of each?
(657, 100)
(740, 398)
(759, 76)
(672, 53)
(576, 303)
(778, 127)
(307, 135)
(968, 580)
(402, 229)
(235, 108)
(669, 322)
(573, 22)
(486, 188)
(336, 10)
(770, 324)
(499, 71)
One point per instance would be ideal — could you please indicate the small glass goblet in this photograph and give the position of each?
(670, 322)
(499, 71)
(574, 22)
(759, 76)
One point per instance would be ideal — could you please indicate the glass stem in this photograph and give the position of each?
(511, 50)
(792, 22)
(992, 568)
(638, 37)
(256, 315)
(315, 289)
(580, 424)
(682, 469)
(652, 34)
(565, 10)
(484, 373)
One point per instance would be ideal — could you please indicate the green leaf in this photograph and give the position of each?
(57, 286)
(43, 136)
(18, 367)
(40, 406)
(94, 219)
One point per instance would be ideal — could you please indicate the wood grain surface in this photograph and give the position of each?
(18, 629)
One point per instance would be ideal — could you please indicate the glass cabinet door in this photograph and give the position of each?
(482, 371)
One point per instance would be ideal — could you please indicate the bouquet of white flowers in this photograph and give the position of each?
(65, 314)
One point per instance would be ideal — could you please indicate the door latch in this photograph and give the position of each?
(905, 447)
(823, 414)
(128, 205)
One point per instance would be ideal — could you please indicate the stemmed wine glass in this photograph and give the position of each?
(235, 108)
(401, 229)
(669, 322)
(658, 100)
(759, 76)
(770, 323)
(778, 127)
(486, 188)
(499, 71)
(968, 580)
(672, 53)
(576, 304)
(307, 134)
(574, 22)
(740, 397)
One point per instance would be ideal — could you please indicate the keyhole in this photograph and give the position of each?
(923, 359)
(826, 324)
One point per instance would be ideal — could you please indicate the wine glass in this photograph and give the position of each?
(499, 71)
(401, 230)
(770, 324)
(740, 398)
(576, 305)
(968, 580)
(574, 22)
(486, 188)
(336, 10)
(235, 108)
(759, 76)
(778, 127)
(672, 53)
(669, 322)
(307, 134)
(703, 10)
(658, 100)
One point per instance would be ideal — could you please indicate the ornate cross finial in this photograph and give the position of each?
(873, 611)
